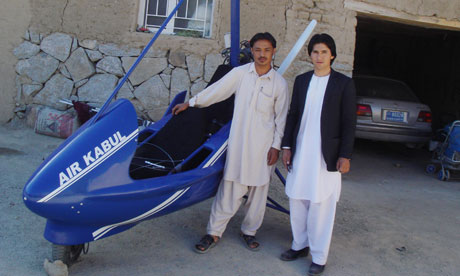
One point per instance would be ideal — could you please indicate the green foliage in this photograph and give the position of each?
(189, 33)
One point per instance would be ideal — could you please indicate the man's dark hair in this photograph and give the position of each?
(263, 36)
(323, 38)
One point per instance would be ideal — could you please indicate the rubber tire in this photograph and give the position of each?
(68, 254)
(430, 168)
(442, 175)
(447, 174)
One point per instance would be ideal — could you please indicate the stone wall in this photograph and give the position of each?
(115, 21)
(109, 21)
(58, 66)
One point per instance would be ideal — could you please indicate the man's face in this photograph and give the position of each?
(321, 56)
(263, 52)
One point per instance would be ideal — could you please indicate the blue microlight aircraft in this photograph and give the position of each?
(109, 176)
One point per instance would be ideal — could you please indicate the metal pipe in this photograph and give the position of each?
(235, 33)
(280, 176)
(138, 60)
(297, 47)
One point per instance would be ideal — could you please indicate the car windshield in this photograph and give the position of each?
(384, 89)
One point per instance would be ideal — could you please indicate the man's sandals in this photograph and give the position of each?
(250, 242)
(206, 243)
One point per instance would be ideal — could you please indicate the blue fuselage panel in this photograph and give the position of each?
(85, 191)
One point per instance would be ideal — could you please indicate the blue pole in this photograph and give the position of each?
(280, 176)
(138, 60)
(235, 33)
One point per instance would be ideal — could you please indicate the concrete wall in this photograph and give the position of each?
(437, 9)
(115, 21)
(105, 20)
(14, 20)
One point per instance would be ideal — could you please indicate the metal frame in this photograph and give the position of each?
(274, 204)
(235, 40)
(138, 60)
(235, 33)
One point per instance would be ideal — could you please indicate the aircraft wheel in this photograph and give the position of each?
(68, 254)
(430, 168)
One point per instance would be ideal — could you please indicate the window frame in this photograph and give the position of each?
(169, 29)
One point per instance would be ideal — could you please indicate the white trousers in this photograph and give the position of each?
(227, 202)
(311, 225)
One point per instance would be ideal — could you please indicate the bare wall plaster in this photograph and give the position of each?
(14, 20)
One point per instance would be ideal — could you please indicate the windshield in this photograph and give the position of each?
(384, 89)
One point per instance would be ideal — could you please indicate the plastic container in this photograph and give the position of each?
(56, 123)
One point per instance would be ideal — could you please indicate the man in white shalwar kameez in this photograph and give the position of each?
(261, 102)
(318, 139)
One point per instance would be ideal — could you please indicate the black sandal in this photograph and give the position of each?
(250, 242)
(207, 242)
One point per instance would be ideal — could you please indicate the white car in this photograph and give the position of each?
(388, 110)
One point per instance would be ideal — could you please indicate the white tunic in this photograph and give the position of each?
(259, 116)
(309, 178)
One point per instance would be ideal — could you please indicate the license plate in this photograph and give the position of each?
(395, 116)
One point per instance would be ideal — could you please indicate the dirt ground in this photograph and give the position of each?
(392, 219)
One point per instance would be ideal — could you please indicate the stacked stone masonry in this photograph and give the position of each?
(59, 67)
(52, 20)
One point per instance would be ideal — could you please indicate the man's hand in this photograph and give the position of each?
(272, 156)
(287, 159)
(343, 165)
(179, 108)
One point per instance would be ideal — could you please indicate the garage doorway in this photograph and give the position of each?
(427, 59)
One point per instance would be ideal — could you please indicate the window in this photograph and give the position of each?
(193, 18)
(383, 89)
